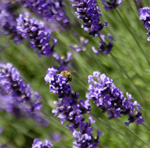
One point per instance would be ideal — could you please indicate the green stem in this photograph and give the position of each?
(108, 125)
(133, 37)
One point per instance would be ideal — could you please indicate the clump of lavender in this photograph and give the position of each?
(104, 47)
(16, 97)
(39, 144)
(62, 61)
(89, 13)
(72, 110)
(110, 99)
(82, 46)
(38, 35)
(52, 10)
(111, 4)
(8, 22)
(145, 17)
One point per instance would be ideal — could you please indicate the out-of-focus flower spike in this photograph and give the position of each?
(52, 10)
(16, 97)
(37, 34)
(82, 46)
(8, 21)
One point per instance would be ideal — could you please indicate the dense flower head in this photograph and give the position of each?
(110, 99)
(71, 109)
(111, 4)
(16, 96)
(51, 10)
(37, 33)
(103, 46)
(145, 17)
(62, 61)
(8, 22)
(89, 13)
(39, 144)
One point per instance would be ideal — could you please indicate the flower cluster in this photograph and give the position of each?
(52, 10)
(8, 21)
(39, 144)
(82, 46)
(110, 99)
(16, 97)
(89, 13)
(38, 35)
(72, 110)
(111, 4)
(104, 47)
(145, 16)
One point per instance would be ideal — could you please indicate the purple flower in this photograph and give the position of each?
(38, 35)
(104, 47)
(52, 10)
(145, 16)
(111, 4)
(71, 109)
(39, 144)
(89, 13)
(16, 97)
(8, 21)
(110, 99)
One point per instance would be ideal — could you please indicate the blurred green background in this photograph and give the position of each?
(128, 60)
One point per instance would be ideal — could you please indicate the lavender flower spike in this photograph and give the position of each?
(110, 99)
(89, 13)
(38, 35)
(16, 96)
(111, 4)
(8, 22)
(145, 16)
(71, 109)
(39, 144)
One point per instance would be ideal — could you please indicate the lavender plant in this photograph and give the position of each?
(71, 113)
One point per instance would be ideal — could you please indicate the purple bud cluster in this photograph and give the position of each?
(111, 4)
(89, 13)
(82, 46)
(145, 17)
(110, 99)
(63, 63)
(8, 21)
(37, 33)
(16, 97)
(72, 110)
(51, 10)
(39, 144)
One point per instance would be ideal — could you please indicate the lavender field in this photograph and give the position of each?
(74, 73)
